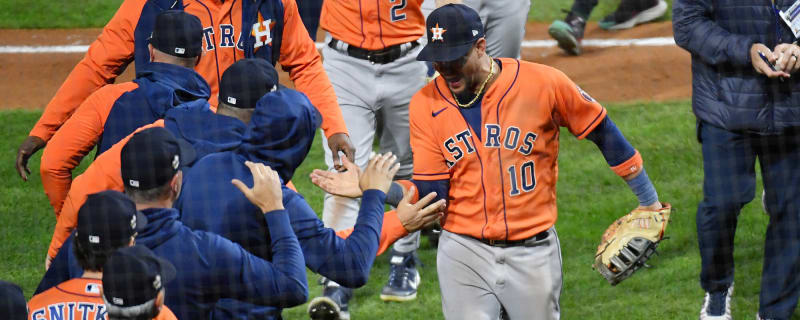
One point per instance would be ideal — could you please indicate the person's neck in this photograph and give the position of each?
(486, 68)
(92, 274)
(159, 204)
(243, 115)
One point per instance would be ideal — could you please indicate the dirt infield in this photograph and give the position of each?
(610, 74)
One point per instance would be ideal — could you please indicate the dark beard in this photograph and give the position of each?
(465, 97)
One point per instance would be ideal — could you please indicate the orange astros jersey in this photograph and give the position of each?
(76, 299)
(373, 24)
(503, 184)
(114, 50)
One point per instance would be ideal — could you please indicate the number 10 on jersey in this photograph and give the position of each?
(522, 178)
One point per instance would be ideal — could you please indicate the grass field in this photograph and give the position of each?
(94, 13)
(590, 197)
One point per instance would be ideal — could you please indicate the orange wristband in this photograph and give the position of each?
(631, 165)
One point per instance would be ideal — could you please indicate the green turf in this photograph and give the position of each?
(546, 11)
(590, 197)
(35, 14)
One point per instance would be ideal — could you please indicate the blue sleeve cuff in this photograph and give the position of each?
(643, 188)
(395, 195)
(374, 194)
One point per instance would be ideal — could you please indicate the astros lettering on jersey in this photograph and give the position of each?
(124, 40)
(503, 180)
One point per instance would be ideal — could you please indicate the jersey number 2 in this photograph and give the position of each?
(527, 175)
(396, 16)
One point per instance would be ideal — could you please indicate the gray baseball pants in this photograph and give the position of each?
(372, 96)
(477, 281)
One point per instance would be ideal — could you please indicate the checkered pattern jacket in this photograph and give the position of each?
(726, 90)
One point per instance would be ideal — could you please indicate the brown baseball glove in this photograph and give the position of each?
(629, 242)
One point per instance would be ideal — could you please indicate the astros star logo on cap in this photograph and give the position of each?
(437, 33)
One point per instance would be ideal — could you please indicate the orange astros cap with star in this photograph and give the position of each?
(452, 30)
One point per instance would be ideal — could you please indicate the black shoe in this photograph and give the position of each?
(403, 278)
(633, 12)
(568, 33)
(332, 305)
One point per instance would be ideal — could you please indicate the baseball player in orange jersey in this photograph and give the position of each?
(114, 111)
(370, 59)
(486, 131)
(233, 30)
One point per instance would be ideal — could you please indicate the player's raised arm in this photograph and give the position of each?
(285, 276)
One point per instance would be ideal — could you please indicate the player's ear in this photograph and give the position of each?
(176, 183)
(480, 45)
(159, 299)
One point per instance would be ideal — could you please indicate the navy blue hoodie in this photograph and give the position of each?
(162, 86)
(207, 131)
(211, 267)
(280, 134)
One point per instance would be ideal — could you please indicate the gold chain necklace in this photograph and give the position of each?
(480, 90)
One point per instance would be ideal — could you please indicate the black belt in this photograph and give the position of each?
(515, 243)
(383, 56)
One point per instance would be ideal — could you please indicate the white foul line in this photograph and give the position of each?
(603, 43)
(43, 49)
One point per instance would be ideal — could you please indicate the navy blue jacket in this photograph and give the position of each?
(726, 90)
(205, 130)
(211, 267)
(208, 132)
(280, 134)
(162, 86)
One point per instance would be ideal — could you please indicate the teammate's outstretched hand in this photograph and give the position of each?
(418, 215)
(25, 151)
(341, 142)
(266, 192)
(380, 172)
(343, 184)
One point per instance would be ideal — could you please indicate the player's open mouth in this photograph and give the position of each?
(455, 83)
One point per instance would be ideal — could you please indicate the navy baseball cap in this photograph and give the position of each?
(152, 157)
(246, 81)
(12, 301)
(178, 33)
(452, 30)
(108, 220)
(133, 276)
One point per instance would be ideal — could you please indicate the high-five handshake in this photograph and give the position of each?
(352, 183)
